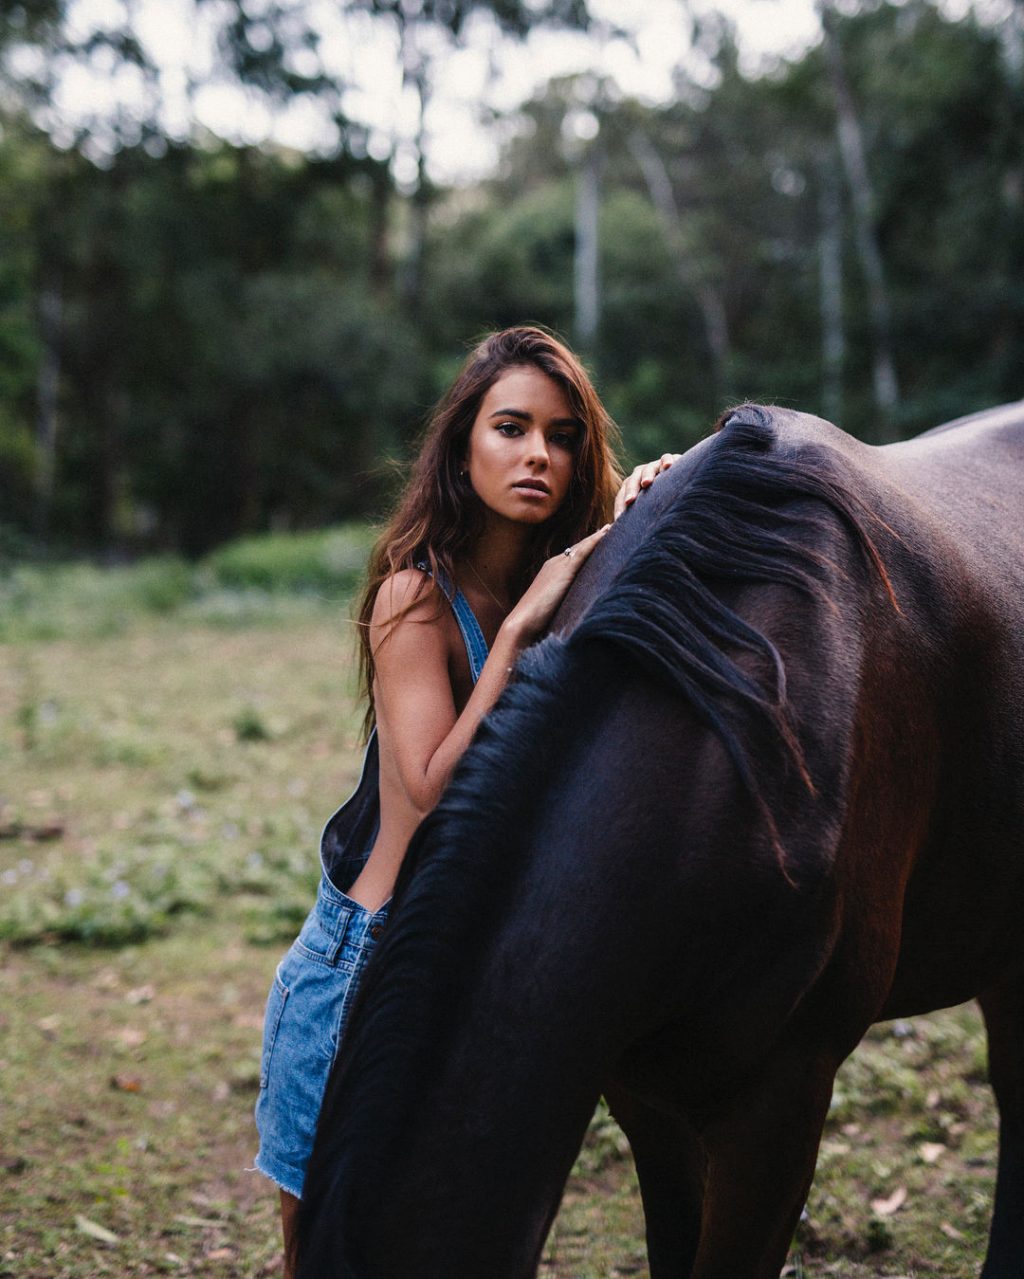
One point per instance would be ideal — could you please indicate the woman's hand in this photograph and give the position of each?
(641, 478)
(534, 610)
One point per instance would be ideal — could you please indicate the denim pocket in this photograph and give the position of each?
(276, 1001)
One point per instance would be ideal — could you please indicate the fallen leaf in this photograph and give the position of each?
(220, 1254)
(949, 1231)
(95, 1231)
(931, 1151)
(933, 1098)
(894, 1202)
(200, 1222)
(126, 1083)
(140, 995)
(130, 1036)
(49, 1024)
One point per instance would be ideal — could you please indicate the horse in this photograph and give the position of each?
(761, 786)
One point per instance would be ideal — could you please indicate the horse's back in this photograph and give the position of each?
(978, 461)
(1005, 422)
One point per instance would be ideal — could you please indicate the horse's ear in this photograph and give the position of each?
(744, 415)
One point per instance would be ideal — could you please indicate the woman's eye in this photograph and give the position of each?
(509, 428)
(566, 439)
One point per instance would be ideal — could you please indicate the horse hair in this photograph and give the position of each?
(732, 522)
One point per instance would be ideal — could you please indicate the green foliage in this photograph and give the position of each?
(238, 348)
(331, 561)
(49, 601)
(256, 579)
(107, 900)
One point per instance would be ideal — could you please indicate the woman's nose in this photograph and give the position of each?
(537, 448)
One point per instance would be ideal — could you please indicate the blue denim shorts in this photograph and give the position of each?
(306, 1012)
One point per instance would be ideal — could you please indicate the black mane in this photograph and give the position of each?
(734, 520)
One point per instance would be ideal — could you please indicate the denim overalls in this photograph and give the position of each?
(316, 981)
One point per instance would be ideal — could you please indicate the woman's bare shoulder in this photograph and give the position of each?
(409, 594)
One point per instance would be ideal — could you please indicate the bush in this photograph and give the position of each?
(266, 578)
(330, 561)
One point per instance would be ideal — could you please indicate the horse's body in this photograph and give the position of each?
(646, 880)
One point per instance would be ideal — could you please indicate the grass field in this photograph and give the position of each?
(163, 786)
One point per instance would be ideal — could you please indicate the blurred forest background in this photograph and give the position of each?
(201, 340)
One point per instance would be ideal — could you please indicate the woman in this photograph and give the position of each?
(509, 495)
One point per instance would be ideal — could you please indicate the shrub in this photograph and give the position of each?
(330, 561)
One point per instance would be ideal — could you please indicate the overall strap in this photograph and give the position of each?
(472, 635)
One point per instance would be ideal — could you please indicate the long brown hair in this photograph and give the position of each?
(439, 515)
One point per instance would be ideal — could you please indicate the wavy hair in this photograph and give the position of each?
(439, 516)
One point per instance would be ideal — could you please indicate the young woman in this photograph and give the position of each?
(510, 494)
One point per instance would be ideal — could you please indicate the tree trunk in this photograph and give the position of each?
(415, 73)
(709, 299)
(852, 152)
(586, 264)
(830, 292)
(47, 388)
(380, 259)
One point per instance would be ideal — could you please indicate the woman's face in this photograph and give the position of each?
(522, 446)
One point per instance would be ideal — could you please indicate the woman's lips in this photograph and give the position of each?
(534, 488)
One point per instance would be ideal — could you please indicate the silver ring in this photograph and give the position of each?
(568, 552)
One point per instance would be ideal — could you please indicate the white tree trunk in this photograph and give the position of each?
(852, 152)
(830, 293)
(709, 300)
(587, 276)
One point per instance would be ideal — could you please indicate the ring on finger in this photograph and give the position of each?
(569, 552)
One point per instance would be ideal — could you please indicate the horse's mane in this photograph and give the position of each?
(749, 512)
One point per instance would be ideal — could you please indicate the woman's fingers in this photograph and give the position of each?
(651, 469)
(629, 490)
(587, 544)
(579, 551)
(537, 606)
(640, 478)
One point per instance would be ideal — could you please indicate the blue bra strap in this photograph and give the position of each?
(472, 635)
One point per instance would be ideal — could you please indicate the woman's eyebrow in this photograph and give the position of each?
(528, 417)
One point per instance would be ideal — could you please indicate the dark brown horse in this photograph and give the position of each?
(763, 787)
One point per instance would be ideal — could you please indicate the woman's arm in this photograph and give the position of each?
(412, 688)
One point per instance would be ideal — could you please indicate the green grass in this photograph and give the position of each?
(163, 791)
